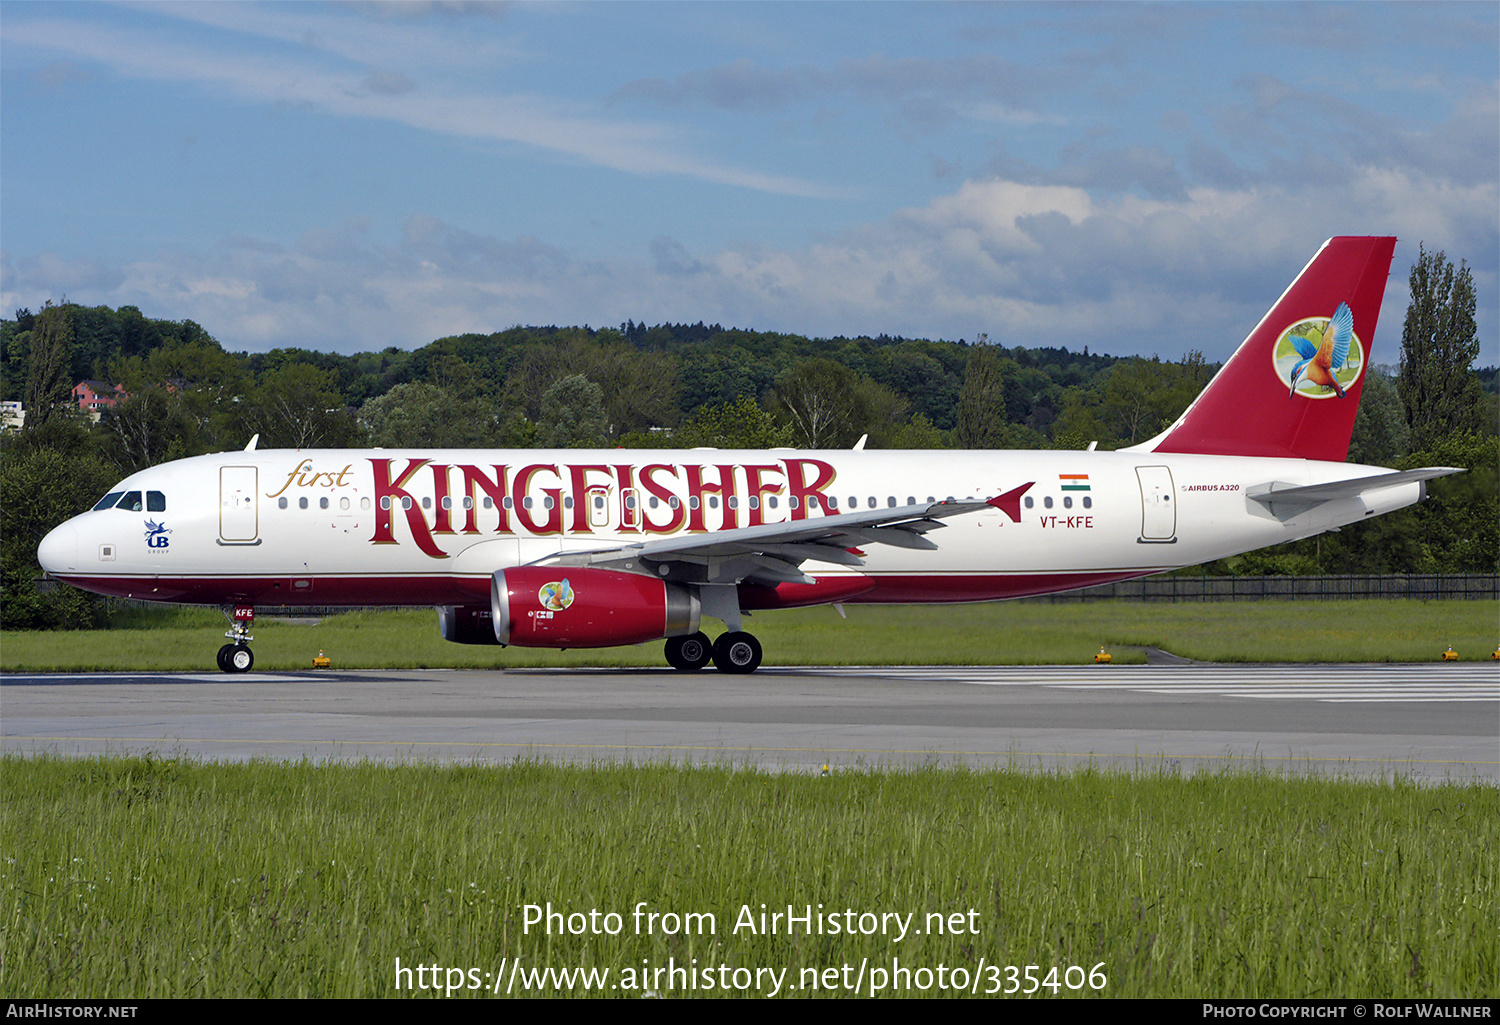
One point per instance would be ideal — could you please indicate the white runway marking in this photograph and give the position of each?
(1332, 684)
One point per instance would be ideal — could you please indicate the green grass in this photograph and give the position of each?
(986, 634)
(140, 877)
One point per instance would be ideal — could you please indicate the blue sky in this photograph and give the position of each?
(1134, 178)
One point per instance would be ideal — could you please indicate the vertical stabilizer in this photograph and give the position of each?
(1292, 388)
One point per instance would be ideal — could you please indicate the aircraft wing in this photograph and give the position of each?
(1285, 500)
(772, 552)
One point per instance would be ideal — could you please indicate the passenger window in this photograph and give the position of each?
(109, 501)
(322, 503)
(281, 503)
(302, 503)
(364, 503)
(156, 501)
(1047, 501)
(890, 502)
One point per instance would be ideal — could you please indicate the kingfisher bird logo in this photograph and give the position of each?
(156, 534)
(556, 596)
(1320, 357)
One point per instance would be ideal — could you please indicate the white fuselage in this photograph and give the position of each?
(406, 527)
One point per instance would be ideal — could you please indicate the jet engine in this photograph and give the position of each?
(571, 607)
(466, 624)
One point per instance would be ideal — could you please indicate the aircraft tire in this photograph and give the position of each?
(737, 652)
(239, 659)
(691, 653)
(223, 658)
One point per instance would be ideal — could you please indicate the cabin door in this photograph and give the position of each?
(239, 521)
(1158, 505)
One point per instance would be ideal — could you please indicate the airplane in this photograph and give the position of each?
(598, 548)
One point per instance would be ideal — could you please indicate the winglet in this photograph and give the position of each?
(1010, 502)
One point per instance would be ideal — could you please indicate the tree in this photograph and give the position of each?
(737, 424)
(818, 398)
(572, 415)
(1439, 343)
(980, 421)
(49, 362)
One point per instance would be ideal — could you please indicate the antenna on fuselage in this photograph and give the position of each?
(251, 447)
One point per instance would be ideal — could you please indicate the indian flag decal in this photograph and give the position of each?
(1074, 481)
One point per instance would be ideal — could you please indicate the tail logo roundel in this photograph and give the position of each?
(1320, 357)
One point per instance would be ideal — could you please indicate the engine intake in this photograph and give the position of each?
(567, 607)
(466, 624)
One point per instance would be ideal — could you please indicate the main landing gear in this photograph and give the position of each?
(236, 657)
(734, 652)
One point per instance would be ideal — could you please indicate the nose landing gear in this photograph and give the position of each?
(236, 656)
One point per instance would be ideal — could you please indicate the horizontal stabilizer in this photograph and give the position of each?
(1286, 500)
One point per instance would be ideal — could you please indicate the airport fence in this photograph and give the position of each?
(1177, 588)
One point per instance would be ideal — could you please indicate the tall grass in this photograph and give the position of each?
(986, 634)
(139, 877)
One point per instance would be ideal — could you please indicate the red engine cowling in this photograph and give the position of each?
(567, 607)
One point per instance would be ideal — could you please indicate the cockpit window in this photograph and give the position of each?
(156, 501)
(109, 500)
(131, 502)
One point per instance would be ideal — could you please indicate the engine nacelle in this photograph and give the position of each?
(570, 607)
(466, 624)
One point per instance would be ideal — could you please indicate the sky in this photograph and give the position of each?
(1134, 178)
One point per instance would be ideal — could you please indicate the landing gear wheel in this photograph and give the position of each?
(239, 659)
(224, 658)
(689, 654)
(736, 652)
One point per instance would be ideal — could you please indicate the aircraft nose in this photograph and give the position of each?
(58, 552)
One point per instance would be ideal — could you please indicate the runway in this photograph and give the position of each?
(1428, 722)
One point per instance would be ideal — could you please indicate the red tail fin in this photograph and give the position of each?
(1286, 391)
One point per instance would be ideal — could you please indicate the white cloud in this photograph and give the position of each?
(1029, 265)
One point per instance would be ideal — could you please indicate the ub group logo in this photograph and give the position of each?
(556, 596)
(1320, 357)
(156, 534)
